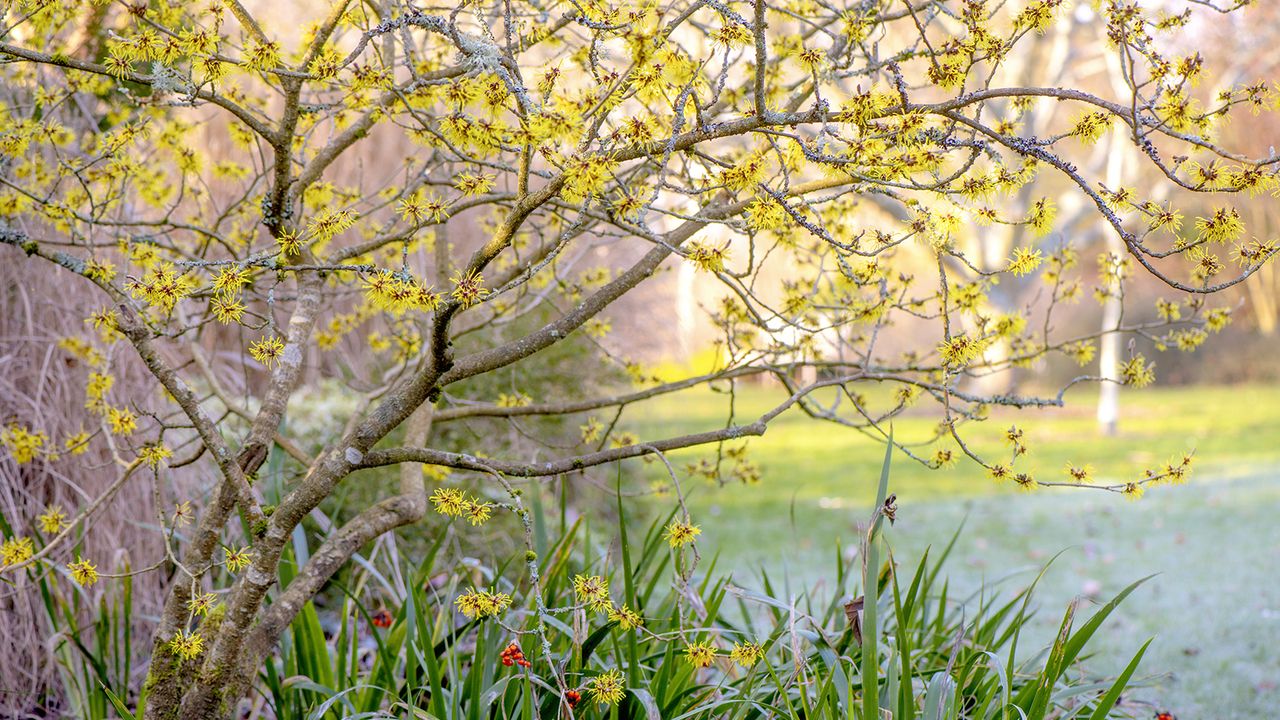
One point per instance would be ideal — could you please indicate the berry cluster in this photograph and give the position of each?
(514, 656)
(572, 697)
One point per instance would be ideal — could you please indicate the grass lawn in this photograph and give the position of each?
(1215, 542)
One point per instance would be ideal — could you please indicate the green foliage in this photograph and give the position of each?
(95, 659)
(924, 653)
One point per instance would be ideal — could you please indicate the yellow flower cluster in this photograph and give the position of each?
(452, 502)
(227, 284)
(23, 444)
(162, 286)
(201, 603)
(187, 645)
(1091, 126)
(155, 454)
(1042, 215)
(625, 617)
(584, 176)
(83, 572)
(482, 603)
(960, 350)
(1024, 261)
(1223, 226)
(399, 292)
(122, 420)
(593, 591)
(473, 183)
(679, 534)
(419, 208)
(96, 390)
(53, 520)
(15, 550)
(700, 654)
(468, 288)
(238, 559)
(267, 350)
(746, 654)
(608, 688)
(1136, 371)
(708, 258)
(328, 225)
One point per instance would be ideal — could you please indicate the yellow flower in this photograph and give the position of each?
(625, 617)
(238, 559)
(421, 207)
(1081, 474)
(83, 572)
(449, 501)
(288, 242)
(96, 390)
(1221, 227)
(1024, 261)
(1217, 318)
(15, 550)
(22, 444)
(202, 603)
(607, 688)
(1137, 372)
(1133, 490)
(230, 280)
(591, 431)
(53, 520)
(1081, 351)
(267, 350)
(746, 654)
(155, 454)
(122, 420)
(398, 292)
(732, 35)
(960, 350)
(593, 590)
(482, 603)
(187, 645)
(263, 56)
(226, 309)
(700, 654)
(680, 534)
(708, 258)
(1091, 126)
(518, 399)
(183, 514)
(469, 289)
(1041, 216)
(436, 472)
(162, 286)
(478, 512)
(473, 183)
(76, 444)
(99, 270)
(943, 458)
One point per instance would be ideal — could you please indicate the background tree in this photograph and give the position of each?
(216, 179)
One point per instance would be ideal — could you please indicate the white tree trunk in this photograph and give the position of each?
(1109, 353)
